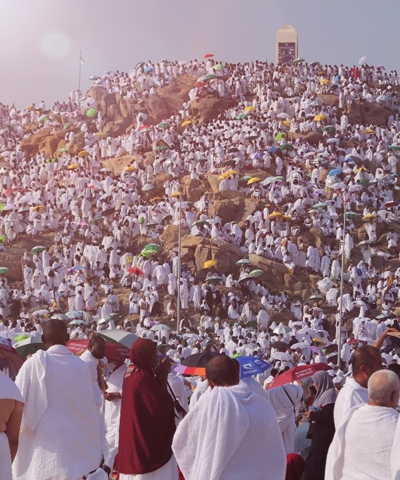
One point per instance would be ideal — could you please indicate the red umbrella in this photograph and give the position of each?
(208, 55)
(113, 350)
(135, 271)
(10, 360)
(297, 373)
(200, 84)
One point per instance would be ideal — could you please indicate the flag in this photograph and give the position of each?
(82, 60)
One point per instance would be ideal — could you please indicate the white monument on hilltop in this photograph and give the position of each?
(287, 45)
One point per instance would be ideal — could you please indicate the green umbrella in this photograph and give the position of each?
(43, 118)
(38, 249)
(320, 205)
(153, 246)
(18, 338)
(351, 215)
(161, 147)
(328, 128)
(394, 147)
(66, 126)
(214, 278)
(92, 112)
(243, 261)
(280, 136)
(63, 149)
(287, 146)
(241, 116)
(1, 206)
(3, 238)
(245, 178)
(147, 253)
(209, 76)
(364, 182)
(28, 347)
(218, 67)
(3, 270)
(163, 125)
(256, 273)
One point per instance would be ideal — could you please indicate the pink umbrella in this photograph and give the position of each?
(297, 373)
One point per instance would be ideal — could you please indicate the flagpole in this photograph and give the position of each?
(80, 69)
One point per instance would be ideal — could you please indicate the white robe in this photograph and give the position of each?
(230, 434)
(8, 391)
(60, 430)
(361, 447)
(350, 395)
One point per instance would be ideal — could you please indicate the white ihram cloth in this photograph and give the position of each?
(60, 430)
(361, 447)
(112, 412)
(8, 391)
(230, 434)
(350, 395)
(284, 400)
(395, 457)
(169, 471)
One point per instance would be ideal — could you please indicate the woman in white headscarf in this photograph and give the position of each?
(284, 400)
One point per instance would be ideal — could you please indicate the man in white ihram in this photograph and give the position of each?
(361, 447)
(231, 433)
(60, 429)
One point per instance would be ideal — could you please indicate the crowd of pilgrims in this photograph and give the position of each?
(345, 182)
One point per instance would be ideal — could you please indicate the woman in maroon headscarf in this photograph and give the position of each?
(147, 422)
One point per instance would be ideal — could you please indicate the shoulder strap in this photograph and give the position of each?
(290, 398)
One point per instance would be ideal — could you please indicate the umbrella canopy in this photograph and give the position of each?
(282, 346)
(153, 246)
(241, 116)
(208, 55)
(209, 263)
(3, 270)
(135, 271)
(287, 146)
(214, 278)
(195, 364)
(334, 172)
(38, 249)
(250, 109)
(300, 345)
(280, 136)
(351, 214)
(298, 373)
(113, 349)
(283, 115)
(185, 123)
(317, 297)
(122, 337)
(218, 67)
(77, 322)
(28, 346)
(281, 356)
(275, 215)
(394, 147)
(91, 113)
(250, 366)
(59, 316)
(328, 128)
(243, 261)
(147, 187)
(74, 314)
(256, 273)
(281, 329)
(160, 327)
(163, 125)
(10, 358)
(253, 180)
(391, 204)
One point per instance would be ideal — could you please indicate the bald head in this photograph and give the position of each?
(383, 389)
(54, 333)
(366, 360)
(222, 371)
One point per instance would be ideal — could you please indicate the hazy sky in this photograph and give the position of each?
(40, 40)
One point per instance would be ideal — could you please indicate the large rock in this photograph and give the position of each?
(30, 145)
(157, 108)
(176, 93)
(191, 189)
(330, 100)
(367, 113)
(225, 254)
(208, 108)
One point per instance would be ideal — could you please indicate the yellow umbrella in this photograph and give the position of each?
(209, 264)
(286, 123)
(318, 340)
(83, 154)
(319, 118)
(361, 169)
(155, 199)
(325, 81)
(129, 168)
(100, 134)
(230, 172)
(287, 217)
(72, 166)
(368, 216)
(186, 122)
(176, 194)
(275, 215)
(249, 109)
(253, 180)
(223, 176)
(40, 208)
(369, 130)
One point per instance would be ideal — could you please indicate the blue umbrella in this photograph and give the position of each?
(250, 366)
(148, 69)
(334, 172)
(258, 155)
(273, 149)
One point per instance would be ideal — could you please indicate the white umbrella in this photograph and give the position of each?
(362, 60)
(282, 356)
(284, 115)
(119, 336)
(301, 345)
(160, 326)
